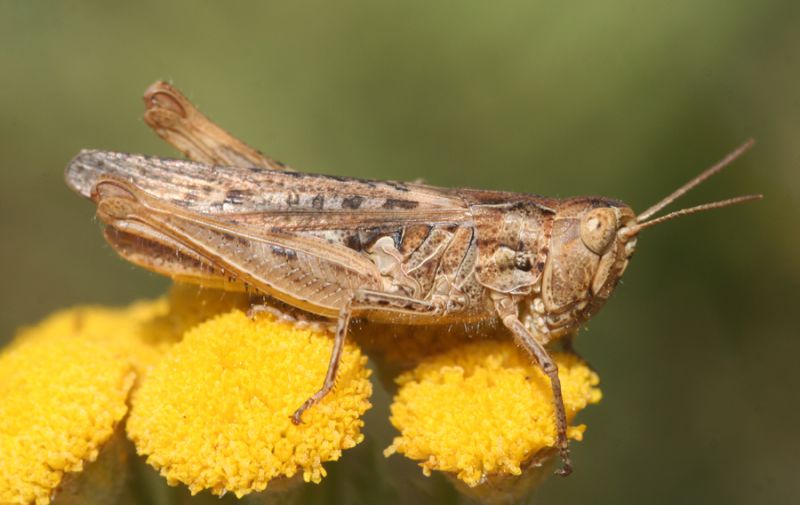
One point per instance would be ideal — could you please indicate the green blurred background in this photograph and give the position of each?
(698, 349)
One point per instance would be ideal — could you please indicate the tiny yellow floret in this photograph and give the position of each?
(484, 409)
(60, 400)
(215, 413)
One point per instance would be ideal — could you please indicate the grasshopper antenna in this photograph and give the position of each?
(692, 210)
(642, 220)
(724, 162)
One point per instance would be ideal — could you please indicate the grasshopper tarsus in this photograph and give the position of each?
(297, 416)
(566, 466)
(563, 451)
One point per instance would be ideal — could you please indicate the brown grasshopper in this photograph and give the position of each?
(387, 251)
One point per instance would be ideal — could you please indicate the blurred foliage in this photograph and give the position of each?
(621, 98)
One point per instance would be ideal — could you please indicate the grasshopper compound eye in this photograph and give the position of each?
(598, 229)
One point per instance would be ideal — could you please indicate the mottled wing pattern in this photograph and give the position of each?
(301, 238)
(236, 190)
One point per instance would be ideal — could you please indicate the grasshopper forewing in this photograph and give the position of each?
(342, 247)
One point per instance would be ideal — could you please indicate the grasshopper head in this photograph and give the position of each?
(592, 241)
(589, 251)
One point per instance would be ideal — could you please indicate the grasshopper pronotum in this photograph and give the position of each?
(387, 251)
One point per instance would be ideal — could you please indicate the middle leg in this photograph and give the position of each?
(361, 301)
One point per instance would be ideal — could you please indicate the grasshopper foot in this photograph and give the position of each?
(566, 462)
(566, 469)
(297, 417)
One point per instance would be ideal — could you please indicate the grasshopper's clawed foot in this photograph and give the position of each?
(297, 417)
(564, 470)
(566, 463)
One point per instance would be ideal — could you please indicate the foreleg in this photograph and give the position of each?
(507, 310)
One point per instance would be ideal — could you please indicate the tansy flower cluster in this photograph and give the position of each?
(207, 403)
(205, 393)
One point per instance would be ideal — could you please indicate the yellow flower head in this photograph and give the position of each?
(60, 400)
(215, 413)
(484, 409)
(139, 333)
(55, 417)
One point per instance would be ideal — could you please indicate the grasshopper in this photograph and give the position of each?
(387, 251)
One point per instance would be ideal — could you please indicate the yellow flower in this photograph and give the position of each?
(138, 333)
(60, 401)
(228, 387)
(215, 413)
(483, 409)
(64, 386)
